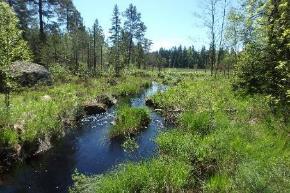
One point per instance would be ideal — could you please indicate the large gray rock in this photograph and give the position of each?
(30, 74)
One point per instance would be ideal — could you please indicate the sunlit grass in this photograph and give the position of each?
(129, 121)
(230, 142)
(32, 115)
(157, 175)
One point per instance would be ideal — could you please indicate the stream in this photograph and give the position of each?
(88, 150)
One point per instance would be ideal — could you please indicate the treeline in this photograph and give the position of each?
(55, 33)
(183, 57)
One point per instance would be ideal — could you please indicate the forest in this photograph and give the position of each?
(84, 109)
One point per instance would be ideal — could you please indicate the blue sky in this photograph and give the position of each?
(169, 22)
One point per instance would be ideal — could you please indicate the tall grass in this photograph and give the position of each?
(129, 121)
(32, 116)
(157, 175)
(228, 141)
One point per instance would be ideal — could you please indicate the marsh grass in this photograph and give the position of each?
(156, 175)
(32, 116)
(229, 142)
(129, 120)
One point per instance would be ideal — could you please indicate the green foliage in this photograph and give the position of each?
(129, 120)
(177, 144)
(8, 137)
(200, 123)
(236, 136)
(60, 73)
(37, 116)
(157, 175)
(12, 46)
(229, 142)
(264, 63)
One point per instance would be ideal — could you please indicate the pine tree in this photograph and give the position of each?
(115, 38)
(135, 28)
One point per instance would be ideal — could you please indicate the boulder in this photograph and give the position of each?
(106, 99)
(29, 74)
(94, 107)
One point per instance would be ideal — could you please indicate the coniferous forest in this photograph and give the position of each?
(86, 109)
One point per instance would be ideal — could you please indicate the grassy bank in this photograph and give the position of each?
(45, 111)
(223, 142)
(129, 121)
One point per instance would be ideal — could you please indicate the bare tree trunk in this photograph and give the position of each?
(101, 56)
(213, 50)
(221, 38)
(89, 58)
(95, 60)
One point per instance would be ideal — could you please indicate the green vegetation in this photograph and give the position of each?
(223, 142)
(44, 111)
(263, 66)
(157, 175)
(129, 120)
(130, 144)
(231, 126)
(12, 47)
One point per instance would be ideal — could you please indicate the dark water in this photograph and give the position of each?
(89, 151)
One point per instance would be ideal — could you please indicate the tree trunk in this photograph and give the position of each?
(89, 58)
(95, 60)
(213, 53)
(129, 50)
(101, 56)
(41, 22)
(221, 39)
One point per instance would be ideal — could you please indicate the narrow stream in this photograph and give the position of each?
(89, 151)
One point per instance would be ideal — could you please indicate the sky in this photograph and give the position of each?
(169, 22)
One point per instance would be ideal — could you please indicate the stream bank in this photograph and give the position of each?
(88, 151)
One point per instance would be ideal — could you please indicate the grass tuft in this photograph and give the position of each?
(129, 121)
